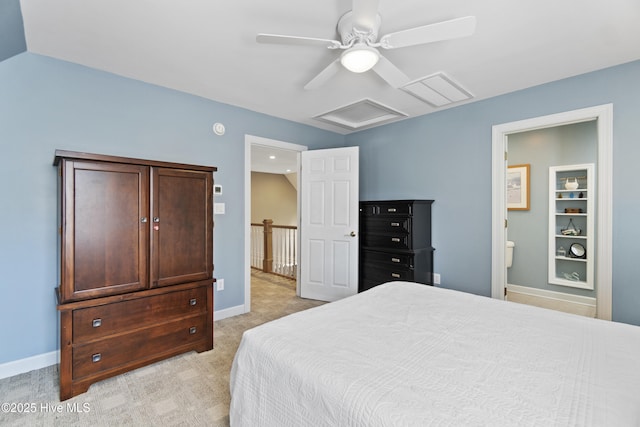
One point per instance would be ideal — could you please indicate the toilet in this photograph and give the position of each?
(510, 246)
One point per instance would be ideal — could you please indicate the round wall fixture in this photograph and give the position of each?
(218, 128)
(576, 250)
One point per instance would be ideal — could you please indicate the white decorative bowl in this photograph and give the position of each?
(571, 185)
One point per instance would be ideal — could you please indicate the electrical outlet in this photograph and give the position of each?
(220, 284)
(436, 278)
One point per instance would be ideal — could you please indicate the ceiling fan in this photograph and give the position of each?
(358, 31)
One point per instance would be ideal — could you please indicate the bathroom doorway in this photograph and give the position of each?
(528, 228)
(534, 134)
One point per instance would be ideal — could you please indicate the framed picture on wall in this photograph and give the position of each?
(518, 187)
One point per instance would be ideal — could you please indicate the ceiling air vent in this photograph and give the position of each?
(437, 90)
(361, 114)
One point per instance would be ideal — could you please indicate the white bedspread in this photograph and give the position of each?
(404, 354)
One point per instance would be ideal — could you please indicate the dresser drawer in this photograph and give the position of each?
(386, 225)
(391, 241)
(392, 258)
(382, 273)
(387, 208)
(110, 353)
(101, 321)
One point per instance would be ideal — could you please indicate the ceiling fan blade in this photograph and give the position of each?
(364, 14)
(324, 75)
(296, 40)
(454, 28)
(390, 73)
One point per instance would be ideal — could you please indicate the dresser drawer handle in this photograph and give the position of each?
(96, 323)
(193, 301)
(193, 330)
(96, 357)
(395, 239)
(396, 275)
(395, 224)
(395, 259)
(391, 209)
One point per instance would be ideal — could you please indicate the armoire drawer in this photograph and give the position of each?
(393, 258)
(98, 356)
(104, 320)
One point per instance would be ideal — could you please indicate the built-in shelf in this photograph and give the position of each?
(566, 269)
(566, 258)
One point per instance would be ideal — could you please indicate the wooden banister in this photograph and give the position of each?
(267, 262)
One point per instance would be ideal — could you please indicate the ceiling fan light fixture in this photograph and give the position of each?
(359, 58)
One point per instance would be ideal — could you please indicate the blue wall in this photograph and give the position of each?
(12, 41)
(446, 156)
(47, 104)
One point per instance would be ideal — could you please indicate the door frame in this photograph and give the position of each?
(603, 114)
(250, 140)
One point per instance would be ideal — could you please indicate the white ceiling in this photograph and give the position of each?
(208, 48)
(273, 160)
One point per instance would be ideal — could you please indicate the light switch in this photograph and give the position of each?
(218, 208)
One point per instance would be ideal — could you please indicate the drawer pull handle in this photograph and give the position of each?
(193, 330)
(391, 210)
(395, 239)
(96, 323)
(395, 259)
(193, 301)
(395, 224)
(396, 275)
(96, 357)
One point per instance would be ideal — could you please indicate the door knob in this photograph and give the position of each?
(352, 234)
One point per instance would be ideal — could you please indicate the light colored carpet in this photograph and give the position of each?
(188, 390)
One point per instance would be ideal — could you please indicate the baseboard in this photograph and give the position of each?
(28, 364)
(228, 312)
(569, 303)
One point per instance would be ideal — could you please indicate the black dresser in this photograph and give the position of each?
(395, 242)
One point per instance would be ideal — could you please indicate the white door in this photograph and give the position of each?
(329, 224)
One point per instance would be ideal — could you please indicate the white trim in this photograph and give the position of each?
(248, 141)
(499, 214)
(29, 364)
(603, 114)
(228, 312)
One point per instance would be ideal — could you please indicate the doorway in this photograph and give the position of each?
(603, 116)
(328, 198)
(250, 141)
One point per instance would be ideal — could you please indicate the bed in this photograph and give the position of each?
(404, 354)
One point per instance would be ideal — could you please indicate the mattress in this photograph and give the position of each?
(404, 354)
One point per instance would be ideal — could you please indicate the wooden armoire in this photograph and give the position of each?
(136, 264)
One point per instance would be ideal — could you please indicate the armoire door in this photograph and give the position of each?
(106, 235)
(181, 240)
